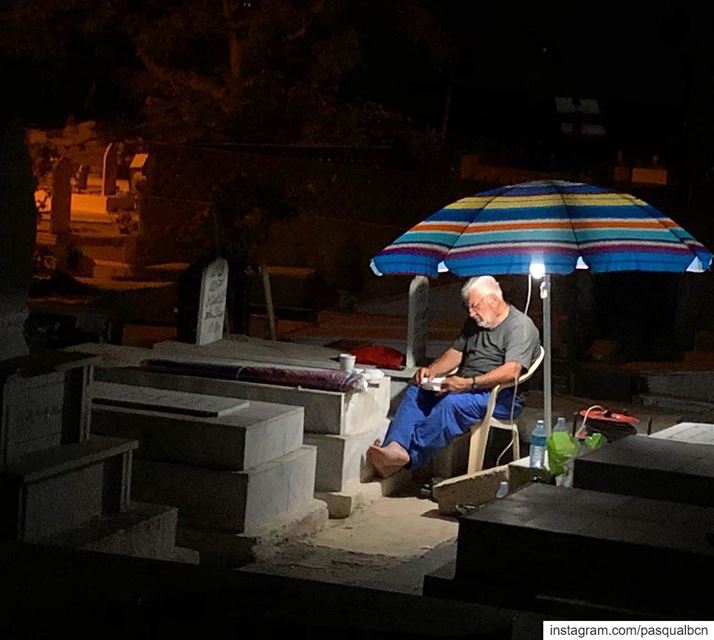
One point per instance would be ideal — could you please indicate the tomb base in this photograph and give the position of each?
(236, 549)
(144, 530)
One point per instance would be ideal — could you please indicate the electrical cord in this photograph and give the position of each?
(515, 380)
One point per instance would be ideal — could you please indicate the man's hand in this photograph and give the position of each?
(447, 361)
(423, 373)
(456, 384)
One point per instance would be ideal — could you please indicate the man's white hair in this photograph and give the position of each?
(487, 285)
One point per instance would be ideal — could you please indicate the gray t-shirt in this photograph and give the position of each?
(516, 339)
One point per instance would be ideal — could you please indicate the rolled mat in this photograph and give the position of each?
(325, 379)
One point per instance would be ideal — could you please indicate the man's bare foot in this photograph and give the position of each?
(387, 460)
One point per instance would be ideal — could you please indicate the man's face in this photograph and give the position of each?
(480, 308)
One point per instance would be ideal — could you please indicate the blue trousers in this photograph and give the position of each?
(426, 422)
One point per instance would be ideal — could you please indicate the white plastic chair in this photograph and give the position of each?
(480, 430)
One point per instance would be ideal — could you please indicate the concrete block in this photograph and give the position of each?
(31, 418)
(520, 473)
(342, 504)
(691, 432)
(229, 501)
(256, 434)
(693, 385)
(469, 489)
(164, 401)
(217, 548)
(325, 411)
(341, 459)
(184, 555)
(367, 408)
(600, 547)
(50, 491)
(650, 468)
(143, 530)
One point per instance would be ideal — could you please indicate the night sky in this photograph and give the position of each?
(502, 60)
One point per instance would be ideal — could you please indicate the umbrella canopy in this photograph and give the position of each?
(562, 225)
(556, 224)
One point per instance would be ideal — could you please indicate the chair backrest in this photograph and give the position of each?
(505, 385)
(479, 431)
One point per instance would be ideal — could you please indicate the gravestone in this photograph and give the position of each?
(109, 171)
(136, 171)
(81, 177)
(165, 401)
(417, 326)
(61, 197)
(212, 302)
(17, 220)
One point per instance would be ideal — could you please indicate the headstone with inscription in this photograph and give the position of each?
(212, 302)
(61, 197)
(417, 326)
(109, 171)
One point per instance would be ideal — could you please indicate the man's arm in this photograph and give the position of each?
(507, 372)
(447, 361)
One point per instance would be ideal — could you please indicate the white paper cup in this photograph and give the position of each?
(347, 362)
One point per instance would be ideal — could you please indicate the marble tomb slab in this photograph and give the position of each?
(164, 400)
(650, 468)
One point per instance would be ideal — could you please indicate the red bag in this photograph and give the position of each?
(378, 356)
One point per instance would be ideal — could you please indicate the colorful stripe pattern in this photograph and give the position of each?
(504, 230)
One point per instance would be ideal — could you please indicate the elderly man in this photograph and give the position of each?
(497, 342)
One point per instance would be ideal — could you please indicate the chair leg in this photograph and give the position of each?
(477, 447)
(516, 447)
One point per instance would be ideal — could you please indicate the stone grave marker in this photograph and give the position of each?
(417, 326)
(81, 177)
(61, 197)
(165, 401)
(136, 171)
(212, 302)
(109, 171)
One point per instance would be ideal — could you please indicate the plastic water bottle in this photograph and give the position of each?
(502, 491)
(560, 425)
(537, 450)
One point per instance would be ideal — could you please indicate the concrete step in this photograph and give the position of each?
(354, 495)
(341, 459)
(50, 491)
(245, 434)
(144, 531)
(327, 412)
(229, 501)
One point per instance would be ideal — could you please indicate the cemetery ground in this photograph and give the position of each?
(393, 542)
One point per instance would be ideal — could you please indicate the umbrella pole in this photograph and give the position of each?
(547, 391)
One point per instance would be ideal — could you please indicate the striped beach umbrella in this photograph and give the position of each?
(561, 225)
(543, 227)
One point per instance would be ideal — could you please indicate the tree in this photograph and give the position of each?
(232, 227)
(248, 70)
